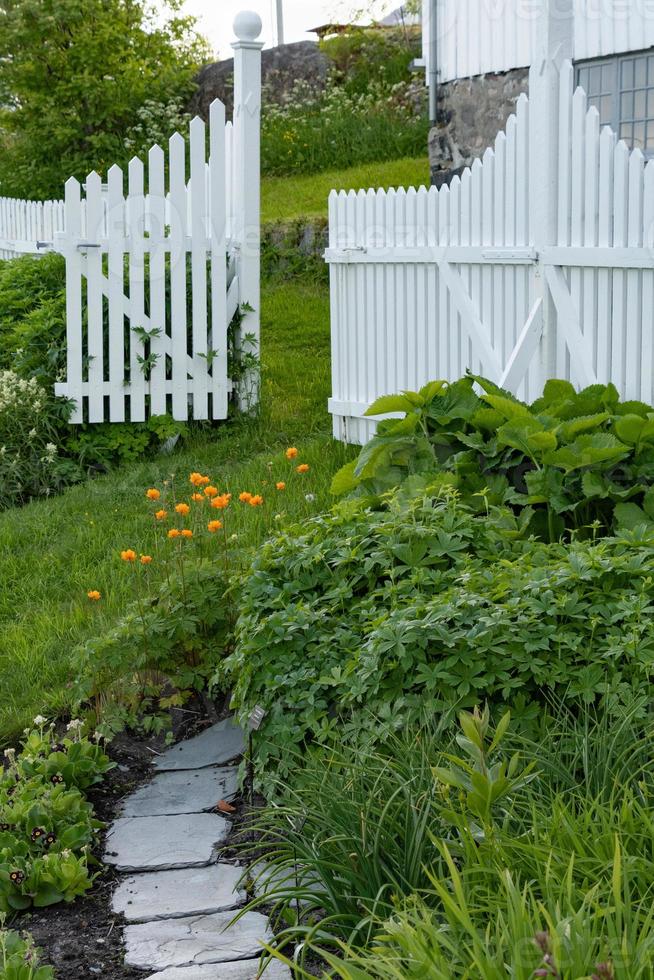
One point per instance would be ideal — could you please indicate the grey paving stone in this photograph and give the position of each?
(172, 894)
(219, 744)
(239, 970)
(195, 940)
(187, 791)
(163, 843)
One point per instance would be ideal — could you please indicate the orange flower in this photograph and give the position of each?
(173, 533)
(202, 482)
(256, 501)
(291, 452)
(221, 501)
(93, 595)
(187, 532)
(161, 515)
(214, 526)
(182, 509)
(245, 497)
(128, 555)
(152, 494)
(303, 468)
(195, 478)
(146, 559)
(211, 491)
(280, 485)
(197, 497)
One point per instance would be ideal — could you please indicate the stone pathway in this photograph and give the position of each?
(177, 900)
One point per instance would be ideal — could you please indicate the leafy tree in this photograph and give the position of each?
(87, 84)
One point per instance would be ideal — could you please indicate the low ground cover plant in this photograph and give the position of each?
(570, 461)
(47, 826)
(423, 604)
(19, 958)
(469, 849)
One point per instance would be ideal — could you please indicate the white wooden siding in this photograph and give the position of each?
(475, 37)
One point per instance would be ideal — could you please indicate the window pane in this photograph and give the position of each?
(627, 106)
(640, 72)
(606, 109)
(627, 77)
(627, 132)
(640, 102)
(650, 69)
(639, 135)
(649, 145)
(582, 78)
(608, 77)
(594, 83)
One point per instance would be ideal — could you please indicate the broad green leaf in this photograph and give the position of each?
(507, 407)
(648, 503)
(526, 434)
(458, 401)
(633, 408)
(587, 450)
(344, 480)
(431, 390)
(566, 431)
(630, 516)
(557, 390)
(628, 428)
(390, 403)
(488, 419)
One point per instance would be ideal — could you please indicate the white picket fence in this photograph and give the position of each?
(28, 226)
(537, 263)
(158, 266)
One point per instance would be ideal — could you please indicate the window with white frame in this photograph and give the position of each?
(622, 90)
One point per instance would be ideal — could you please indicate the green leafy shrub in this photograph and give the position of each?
(19, 958)
(362, 57)
(439, 857)
(578, 461)
(421, 605)
(46, 825)
(335, 128)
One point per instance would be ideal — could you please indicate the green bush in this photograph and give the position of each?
(46, 825)
(363, 57)
(571, 461)
(484, 855)
(19, 958)
(336, 129)
(422, 605)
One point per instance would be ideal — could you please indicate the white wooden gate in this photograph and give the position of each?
(158, 266)
(536, 263)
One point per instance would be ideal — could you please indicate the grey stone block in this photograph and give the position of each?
(218, 745)
(186, 791)
(240, 970)
(173, 894)
(164, 843)
(195, 940)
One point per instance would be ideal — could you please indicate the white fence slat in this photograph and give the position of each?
(156, 223)
(633, 323)
(199, 234)
(95, 299)
(73, 387)
(135, 231)
(604, 236)
(647, 337)
(219, 195)
(178, 321)
(116, 278)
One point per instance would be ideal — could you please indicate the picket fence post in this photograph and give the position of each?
(553, 39)
(246, 192)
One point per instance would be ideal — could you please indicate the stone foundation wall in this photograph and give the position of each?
(471, 111)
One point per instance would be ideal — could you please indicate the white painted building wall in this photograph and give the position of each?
(473, 37)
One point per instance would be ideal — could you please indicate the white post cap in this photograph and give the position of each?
(247, 25)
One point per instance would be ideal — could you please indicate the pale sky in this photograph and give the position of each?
(215, 17)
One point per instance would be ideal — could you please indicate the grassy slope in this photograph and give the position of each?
(53, 551)
(293, 197)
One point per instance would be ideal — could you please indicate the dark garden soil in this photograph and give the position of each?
(83, 940)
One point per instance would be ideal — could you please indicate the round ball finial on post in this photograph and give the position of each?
(247, 25)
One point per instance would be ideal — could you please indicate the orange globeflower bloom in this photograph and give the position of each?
(291, 452)
(128, 555)
(221, 501)
(280, 485)
(187, 532)
(173, 533)
(93, 595)
(146, 559)
(161, 515)
(303, 468)
(214, 526)
(182, 509)
(197, 497)
(211, 491)
(245, 497)
(256, 501)
(152, 493)
(202, 482)
(195, 478)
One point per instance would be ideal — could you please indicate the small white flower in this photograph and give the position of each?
(310, 497)
(74, 725)
(10, 755)
(40, 720)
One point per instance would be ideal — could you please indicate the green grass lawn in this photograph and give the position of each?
(53, 551)
(293, 197)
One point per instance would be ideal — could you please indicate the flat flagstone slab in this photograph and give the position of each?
(237, 970)
(164, 843)
(195, 940)
(219, 744)
(186, 791)
(172, 894)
